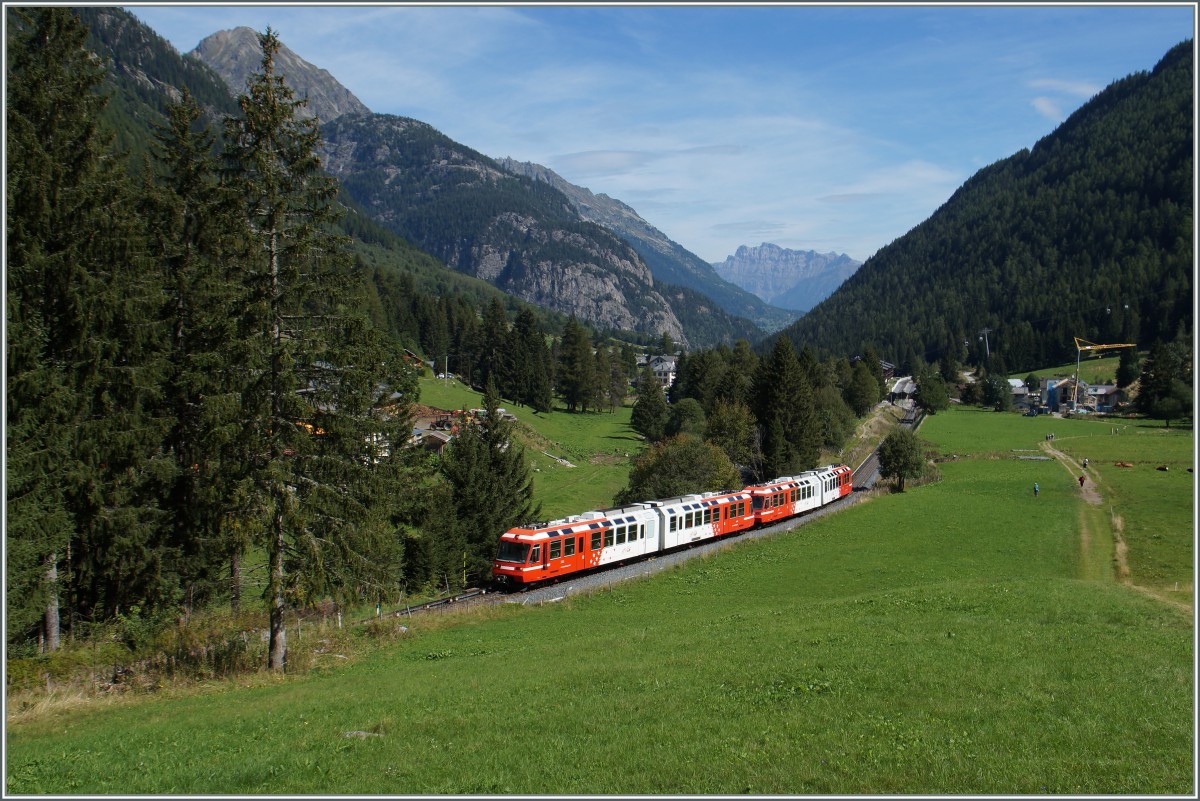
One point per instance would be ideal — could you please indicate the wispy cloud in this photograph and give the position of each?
(1065, 97)
(1049, 108)
(1080, 89)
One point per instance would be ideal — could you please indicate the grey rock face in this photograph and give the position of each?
(791, 279)
(235, 55)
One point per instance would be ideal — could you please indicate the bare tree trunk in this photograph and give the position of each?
(278, 649)
(277, 656)
(50, 621)
(235, 582)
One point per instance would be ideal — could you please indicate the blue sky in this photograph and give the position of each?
(828, 128)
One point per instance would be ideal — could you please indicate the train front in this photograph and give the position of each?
(518, 559)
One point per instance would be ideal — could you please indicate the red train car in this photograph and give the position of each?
(543, 551)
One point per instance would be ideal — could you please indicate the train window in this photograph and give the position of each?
(512, 552)
(608, 537)
(569, 546)
(642, 532)
(595, 541)
(708, 515)
(620, 535)
(555, 549)
(674, 522)
(758, 502)
(536, 556)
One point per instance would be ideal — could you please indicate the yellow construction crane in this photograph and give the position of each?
(1080, 346)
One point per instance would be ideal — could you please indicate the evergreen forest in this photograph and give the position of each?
(1088, 234)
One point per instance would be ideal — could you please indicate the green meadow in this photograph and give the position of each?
(958, 638)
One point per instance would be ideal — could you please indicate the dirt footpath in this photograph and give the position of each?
(1090, 493)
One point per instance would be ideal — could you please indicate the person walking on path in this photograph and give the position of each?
(1081, 482)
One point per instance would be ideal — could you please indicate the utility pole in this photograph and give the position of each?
(986, 346)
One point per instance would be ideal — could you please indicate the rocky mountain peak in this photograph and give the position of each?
(235, 55)
(791, 279)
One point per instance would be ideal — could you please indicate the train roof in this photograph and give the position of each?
(577, 524)
(700, 500)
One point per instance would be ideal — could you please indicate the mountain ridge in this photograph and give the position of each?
(669, 261)
(463, 208)
(792, 279)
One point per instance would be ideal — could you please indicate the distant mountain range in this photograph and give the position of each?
(1089, 233)
(789, 279)
(507, 225)
(669, 261)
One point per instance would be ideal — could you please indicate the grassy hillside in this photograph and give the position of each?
(1092, 371)
(943, 640)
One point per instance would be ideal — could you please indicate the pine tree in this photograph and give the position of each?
(576, 370)
(194, 236)
(785, 411)
(495, 352)
(492, 485)
(317, 380)
(650, 412)
(530, 359)
(601, 396)
(863, 392)
(1164, 389)
(618, 381)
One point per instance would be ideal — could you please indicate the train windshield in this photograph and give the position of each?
(512, 552)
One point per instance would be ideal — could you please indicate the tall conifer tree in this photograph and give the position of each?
(576, 367)
(491, 481)
(195, 232)
(317, 377)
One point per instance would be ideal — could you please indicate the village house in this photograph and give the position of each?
(663, 368)
(1105, 398)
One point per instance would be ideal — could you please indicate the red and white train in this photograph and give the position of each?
(542, 552)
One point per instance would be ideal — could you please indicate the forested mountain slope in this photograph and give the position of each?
(144, 74)
(1088, 234)
(521, 236)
